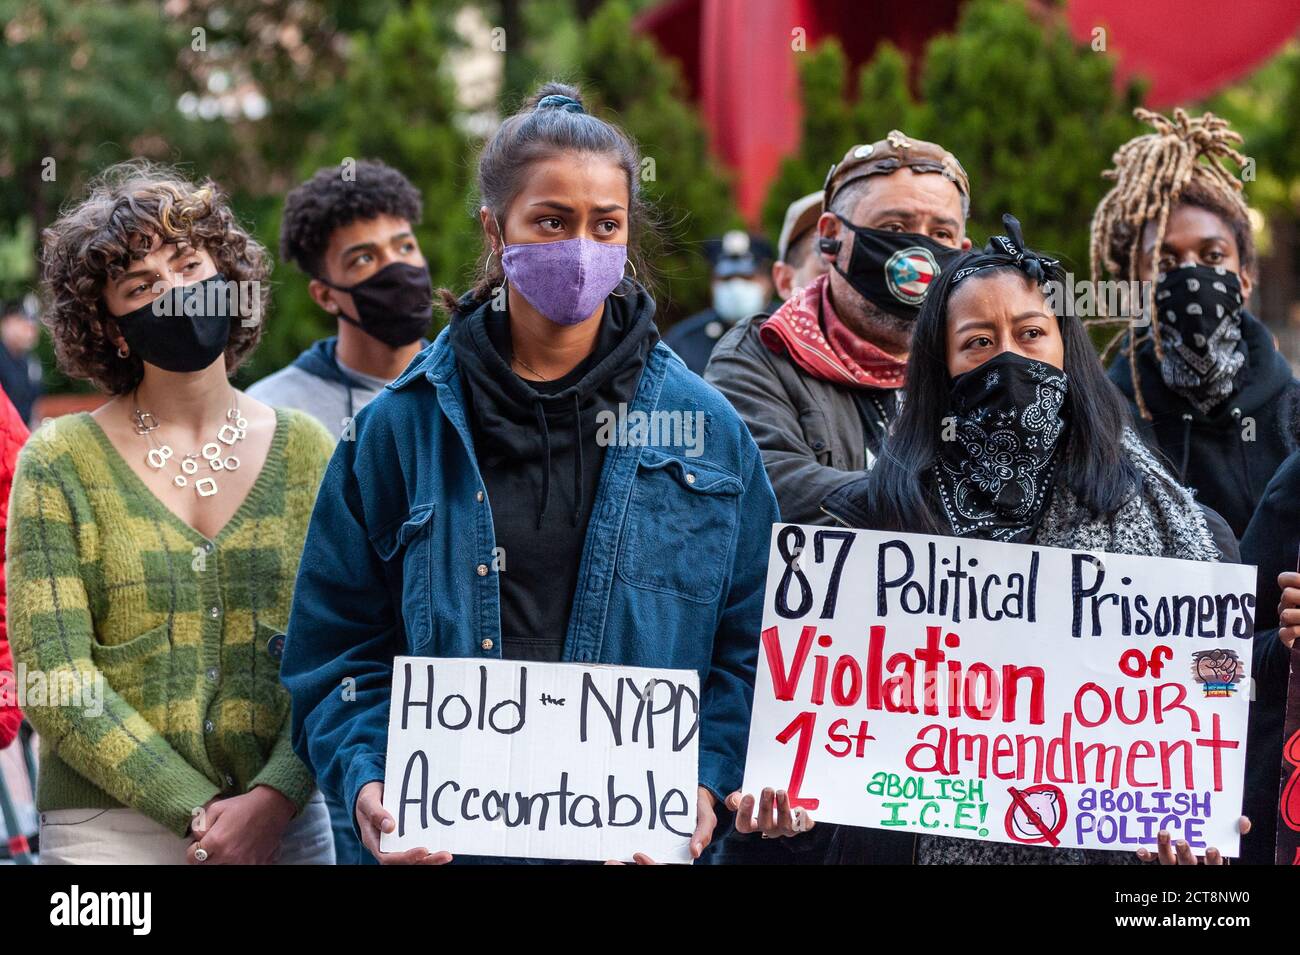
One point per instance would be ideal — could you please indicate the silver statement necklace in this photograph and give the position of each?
(213, 454)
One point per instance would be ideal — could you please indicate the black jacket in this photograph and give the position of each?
(1270, 543)
(1229, 455)
(693, 338)
(815, 436)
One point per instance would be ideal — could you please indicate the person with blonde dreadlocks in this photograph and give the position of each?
(1207, 385)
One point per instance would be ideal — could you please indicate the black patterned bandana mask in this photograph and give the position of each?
(1199, 311)
(994, 476)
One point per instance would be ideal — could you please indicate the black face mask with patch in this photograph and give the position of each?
(894, 270)
(1198, 308)
(996, 466)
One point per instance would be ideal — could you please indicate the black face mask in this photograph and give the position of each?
(395, 305)
(185, 329)
(994, 473)
(894, 270)
(1199, 311)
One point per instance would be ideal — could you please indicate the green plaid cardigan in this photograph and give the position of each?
(186, 631)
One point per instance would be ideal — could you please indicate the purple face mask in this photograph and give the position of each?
(566, 280)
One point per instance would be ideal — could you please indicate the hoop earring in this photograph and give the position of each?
(124, 352)
(624, 279)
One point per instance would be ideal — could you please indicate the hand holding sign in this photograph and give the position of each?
(776, 819)
(1288, 608)
(373, 820)
(1169, 852)
(706, 821)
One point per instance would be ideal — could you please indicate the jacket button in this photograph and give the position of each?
(487, 644)
(479, 497)
(690, 478)
(214, 612)
(819, 445)
(482, 570)
(212, 674)
(209, 726)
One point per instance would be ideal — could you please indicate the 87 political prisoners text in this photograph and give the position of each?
(948, 586)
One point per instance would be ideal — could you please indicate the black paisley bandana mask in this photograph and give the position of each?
(994, 475)
(1199, 311)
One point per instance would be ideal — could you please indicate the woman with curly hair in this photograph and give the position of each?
(153, 545)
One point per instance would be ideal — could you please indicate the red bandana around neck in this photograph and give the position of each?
(807, 329)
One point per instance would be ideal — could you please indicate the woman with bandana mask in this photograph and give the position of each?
(1011, 432)
(486, 511)
(153, 545)
(1208, 387)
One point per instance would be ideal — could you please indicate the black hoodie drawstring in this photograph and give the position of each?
(1187, 447)
(577, 461)
(546, 467)
(1245, 458)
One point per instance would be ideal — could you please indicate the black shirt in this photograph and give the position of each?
(536, 447)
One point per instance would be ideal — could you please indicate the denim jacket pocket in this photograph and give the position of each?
(405, 549)
(680, 526)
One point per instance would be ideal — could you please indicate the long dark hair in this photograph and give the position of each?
(553, 120)
(1094, 465)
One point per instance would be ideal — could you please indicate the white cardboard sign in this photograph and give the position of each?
(542, 760)
(1003, 692)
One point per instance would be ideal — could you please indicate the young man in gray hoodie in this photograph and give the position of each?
(351, 229)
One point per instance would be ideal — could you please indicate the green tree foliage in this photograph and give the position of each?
(836, 123)
(626, 78)
(397, 105)
(1033, 116)
(83, 85)
(1262, 107)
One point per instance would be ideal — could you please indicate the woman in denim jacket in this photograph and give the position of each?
(545, 482)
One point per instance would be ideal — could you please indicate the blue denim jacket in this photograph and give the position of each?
(399, 560)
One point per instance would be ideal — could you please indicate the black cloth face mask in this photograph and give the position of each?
(994, 476)
(1199, 311)
(894, 270)
(395, 305)
(183, 330)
